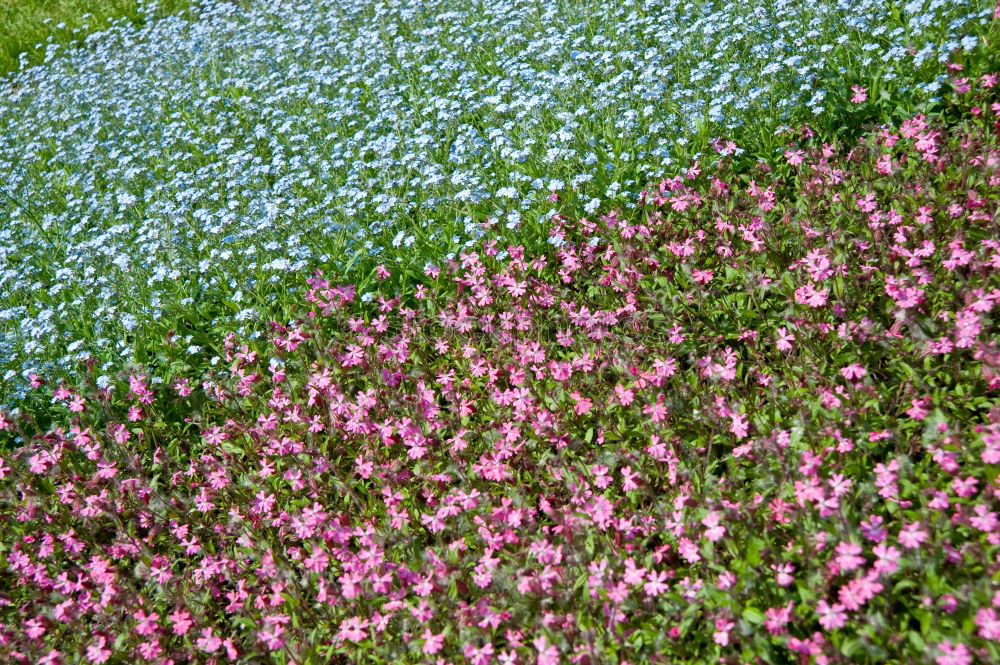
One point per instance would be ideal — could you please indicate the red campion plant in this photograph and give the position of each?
(752, 420)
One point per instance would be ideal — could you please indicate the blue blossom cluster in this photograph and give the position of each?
(191, 165)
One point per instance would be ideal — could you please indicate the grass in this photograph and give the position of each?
(27, 27)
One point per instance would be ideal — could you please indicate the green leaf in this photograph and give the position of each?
(851, 646)
(753, 615)
(753, 552)
(925, 620)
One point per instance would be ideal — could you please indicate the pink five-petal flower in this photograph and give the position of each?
(633, 575)
(953, 655)
(713, 530)
(432, 643)
(853, 372)
(811, 296)
(151, 649)
(181, 621)
(208, 642)
(912, 536)
(548, 654)
(34, 628)
(738, 425)
(53, 657)
(702, 276)
(353, 629)
(583, 404)
(656, 583)
(479, 655)
(831, 616)
(849, 556)
(988, 624)
(629, 479)
(783, 340)
(97, 652)
(777, 618)
(860, 94)
(146, 623)
(794, 157)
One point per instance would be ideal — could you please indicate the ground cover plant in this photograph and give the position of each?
(752, 419)
(181, 176)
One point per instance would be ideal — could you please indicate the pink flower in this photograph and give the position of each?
(714, 531)
(688, 550)
(857, 592)
(34, 628)
(738, 425)
(583, 404)
(989, 625)
(721, 634)
(860, 94)
(657, 411)
(479, 655)
(628, 479)
(783, 339)
(848, 556)
(51, 658)
(548, 654)
(208, 642)
(656, 583)
(96, 653)
(783, 573)
(601, 477)
(888, 559)
(181, 621)
(353, 629)
(432, 643)
(794, 157)
(912, 536)
(918, 410)
(831, 616)
(151, 649)
(810, 295)
(633, 575)
(146, 622)
(853, 372)
(702, 276)
(777, 618)
(953, 655)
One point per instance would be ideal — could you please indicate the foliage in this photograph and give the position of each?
(177, 177)
(752, 419)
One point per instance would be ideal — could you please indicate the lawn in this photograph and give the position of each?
(28, 27)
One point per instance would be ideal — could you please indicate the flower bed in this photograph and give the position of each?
(753, 419)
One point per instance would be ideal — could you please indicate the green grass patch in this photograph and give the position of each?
(27, 27)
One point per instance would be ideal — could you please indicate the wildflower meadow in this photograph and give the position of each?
(511, 334)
